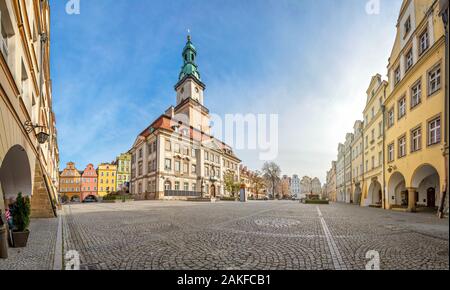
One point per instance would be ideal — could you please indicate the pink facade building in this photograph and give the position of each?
(89, 182)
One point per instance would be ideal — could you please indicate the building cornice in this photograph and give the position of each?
(198, 82)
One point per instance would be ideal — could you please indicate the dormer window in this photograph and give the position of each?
(424, 42)
(407, 26)
(409, 59)
(397, 75)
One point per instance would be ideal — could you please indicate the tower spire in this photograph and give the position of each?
(189, 67)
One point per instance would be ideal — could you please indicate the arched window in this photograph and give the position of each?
(167, 185)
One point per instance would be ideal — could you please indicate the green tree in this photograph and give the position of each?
(21, 213)
(230, 184)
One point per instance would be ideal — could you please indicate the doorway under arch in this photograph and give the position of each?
(374, 196)
(397, 191)
(357, 195)
(15, 173)
(427, 183)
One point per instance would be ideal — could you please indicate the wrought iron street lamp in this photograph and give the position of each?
(42, 137)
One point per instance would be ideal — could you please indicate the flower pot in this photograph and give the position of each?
(20, 239)
(3, 243)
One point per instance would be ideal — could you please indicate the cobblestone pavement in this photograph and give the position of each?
(39, 253)
(253, 235)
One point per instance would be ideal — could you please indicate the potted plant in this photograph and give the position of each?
(21, 219)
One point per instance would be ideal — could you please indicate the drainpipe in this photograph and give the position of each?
(156, 169)
(383, 122)
(363, 171)
(445, 15)
(344, 185)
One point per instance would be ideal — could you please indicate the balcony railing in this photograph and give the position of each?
(182, 193)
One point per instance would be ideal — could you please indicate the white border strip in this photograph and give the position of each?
(338, 263)
(57, 259)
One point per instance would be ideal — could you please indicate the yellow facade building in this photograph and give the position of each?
(357, 163)
(29, 156)
(107, 174)
(415, 166)
(373, 143)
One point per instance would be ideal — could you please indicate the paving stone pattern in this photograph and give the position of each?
(254, 235)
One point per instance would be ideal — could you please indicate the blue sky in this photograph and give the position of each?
(115, 64)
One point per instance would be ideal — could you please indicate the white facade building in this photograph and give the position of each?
(176, 157)
(295, 187)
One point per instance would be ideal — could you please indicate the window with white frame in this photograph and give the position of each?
(177, 185)
(416, 139)
(409, 60)
(397, 75)
(391, 118)
(402, 147)
(424, 42)
(167, 164)
(402, 107)
(434, 80)
(167, 185)
(416, 94)
(390, 152)
(434, 131)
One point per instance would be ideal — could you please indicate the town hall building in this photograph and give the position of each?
(176, 157)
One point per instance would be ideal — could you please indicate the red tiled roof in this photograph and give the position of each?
(164, 122)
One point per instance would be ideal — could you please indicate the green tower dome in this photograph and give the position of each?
(189, 67)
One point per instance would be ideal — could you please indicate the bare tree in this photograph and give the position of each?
(272, 173)
(257, 182)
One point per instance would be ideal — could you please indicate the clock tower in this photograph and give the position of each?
(189, 89)
(189, 82)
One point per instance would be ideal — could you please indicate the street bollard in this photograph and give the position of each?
(3, 243)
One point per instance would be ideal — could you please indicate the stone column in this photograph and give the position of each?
(412, 199)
